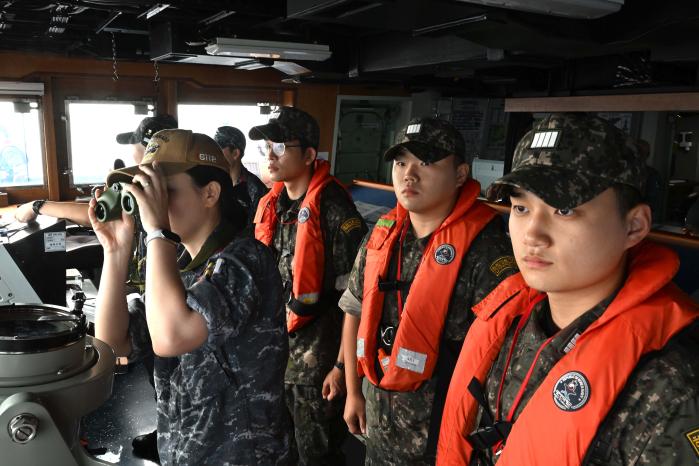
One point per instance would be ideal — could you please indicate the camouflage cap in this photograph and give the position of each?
(289, 124)
(176, 151)
(228, 136)
(146, 129)
(567, 159)
(429, 139)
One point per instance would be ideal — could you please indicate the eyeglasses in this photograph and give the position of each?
(278, 148)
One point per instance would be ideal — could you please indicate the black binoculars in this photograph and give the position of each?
(112, 201)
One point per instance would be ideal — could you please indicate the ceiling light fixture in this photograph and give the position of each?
(216, 17)
(268, 49)
(154, 10)
(449, 24)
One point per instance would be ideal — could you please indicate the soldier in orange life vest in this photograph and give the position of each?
(417, 275)
(589, 356)
(312, 225)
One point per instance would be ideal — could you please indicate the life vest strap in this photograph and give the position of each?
(492, 432)
(394, 285)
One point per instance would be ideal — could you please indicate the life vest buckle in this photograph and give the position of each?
(388, 335)
(487, 437)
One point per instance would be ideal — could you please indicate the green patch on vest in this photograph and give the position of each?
(384, 222)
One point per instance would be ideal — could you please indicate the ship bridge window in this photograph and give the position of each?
(92, 130)
(205, 118)
(21, 154)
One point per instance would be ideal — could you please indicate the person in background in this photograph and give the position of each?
(76, 212)
(215, 321)
(589, 355)
(415, 279)
(249, 188)
(314, 229)
(145, 445)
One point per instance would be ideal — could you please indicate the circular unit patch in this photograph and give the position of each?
(444, 254)
(304, 215)
(572, 391)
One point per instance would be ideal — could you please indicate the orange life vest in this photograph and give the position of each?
(646, 313)
(308, 264)
(416, 345)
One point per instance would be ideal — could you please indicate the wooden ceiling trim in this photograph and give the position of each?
(678, 102)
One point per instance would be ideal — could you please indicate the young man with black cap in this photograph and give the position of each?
(249, 189)
(410, 292)
(589, 356)
(76, 212)
(310, 222)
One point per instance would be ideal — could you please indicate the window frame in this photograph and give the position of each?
(30, 188)
(149, 102)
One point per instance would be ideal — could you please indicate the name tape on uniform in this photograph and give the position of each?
(360, 347)
(411, 360)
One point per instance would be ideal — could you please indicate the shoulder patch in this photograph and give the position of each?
(572, 391)
(384, 222)
(304, 214)
(351, 224)
(693, 438)
(499, 265)
(445, 254)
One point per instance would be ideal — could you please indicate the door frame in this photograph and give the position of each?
(406, 113)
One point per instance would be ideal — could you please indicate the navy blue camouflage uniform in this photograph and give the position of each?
(223, 402)
(248, 192)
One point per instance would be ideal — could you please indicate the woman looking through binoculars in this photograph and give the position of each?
(215, 319)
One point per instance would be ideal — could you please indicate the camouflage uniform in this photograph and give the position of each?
(313, 350)
(208, 414)
(142, 134)
(399, 423)
(655, 419)
(136, 278)
(249, 191)
(318, 425)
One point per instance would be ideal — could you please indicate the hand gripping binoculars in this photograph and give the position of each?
(112, 201)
